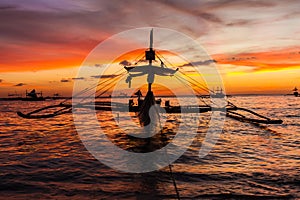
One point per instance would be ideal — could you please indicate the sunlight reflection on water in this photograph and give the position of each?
(46, 159)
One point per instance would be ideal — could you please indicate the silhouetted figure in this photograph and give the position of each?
(295, 91)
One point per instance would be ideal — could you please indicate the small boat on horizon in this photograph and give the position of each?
(218, 93)
(295, 92)
(33, 96)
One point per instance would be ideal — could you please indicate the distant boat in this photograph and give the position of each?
(218, 93)
(55, 97)
(295, 92)
(13, 96)
(123, 95)
(33, 96)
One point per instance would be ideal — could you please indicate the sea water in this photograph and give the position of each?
(46, 159)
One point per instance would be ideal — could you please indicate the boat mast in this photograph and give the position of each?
(150, 55)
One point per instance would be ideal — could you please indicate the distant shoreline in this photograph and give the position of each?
(162, 96)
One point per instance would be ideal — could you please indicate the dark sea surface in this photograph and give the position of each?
(45, 158)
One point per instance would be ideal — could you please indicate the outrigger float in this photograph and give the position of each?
(143, 106)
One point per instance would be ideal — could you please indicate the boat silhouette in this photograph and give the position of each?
(144, 105)
(33, 96)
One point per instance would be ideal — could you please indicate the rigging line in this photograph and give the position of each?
(212, 102)
(196, 82)
(104, 91)
(105, 81)
(182, 80)
(79, 93)
(161, 61)
(198, 91)
(111, 81)
(142, 55)
(109, 86)
(165, 59)
(205, 88)
(208, 90)
(178, 77)
(88, 89)
(201, 99)
(113, 73)
(186, 75)
(108, 82)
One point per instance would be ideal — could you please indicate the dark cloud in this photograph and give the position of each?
(240, 22)
(208, 10)
(99, 65)
(205, 62)
(39, 27)
(8, 7)
(125, 63)
(1, 80)
(104, 76)
(78, 78)
(211, 17)
(194, 8)
(20, 84)
(240, 4)
(86, 23)
(65, 80)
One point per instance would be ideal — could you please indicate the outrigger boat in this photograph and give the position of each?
(143, 106)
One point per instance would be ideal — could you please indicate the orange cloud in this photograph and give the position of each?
(38, 56)
(263, 61)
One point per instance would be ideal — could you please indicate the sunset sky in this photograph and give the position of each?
(256, 44)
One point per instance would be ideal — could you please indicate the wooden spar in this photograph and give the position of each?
(237, 116)
(65, 108)
(26, 116)
(252, 112)
(231, 112)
